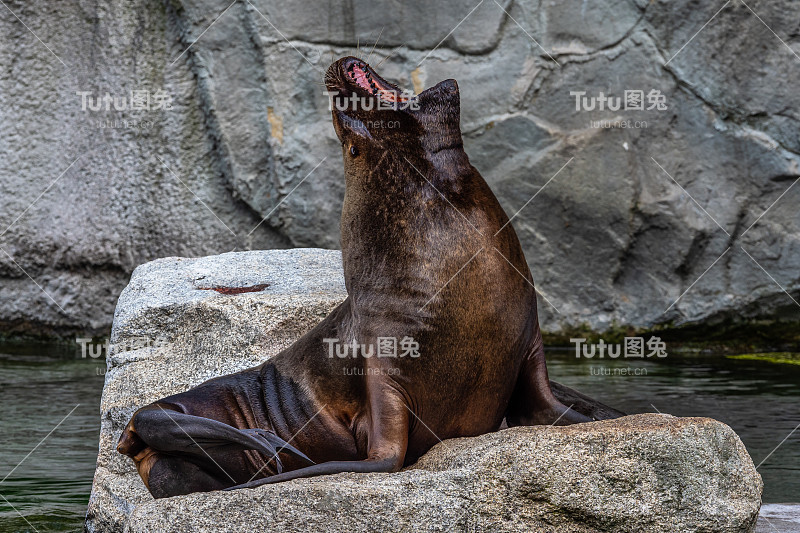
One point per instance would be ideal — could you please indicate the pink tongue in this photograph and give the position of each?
(360, 78)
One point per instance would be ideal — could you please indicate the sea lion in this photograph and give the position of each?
(431, 265)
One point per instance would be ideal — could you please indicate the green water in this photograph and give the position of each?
(50, 489)
(759, 400)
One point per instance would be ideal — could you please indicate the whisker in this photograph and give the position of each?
(390, 55)
(374, 45)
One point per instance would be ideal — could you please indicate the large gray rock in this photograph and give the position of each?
(640, 473)
(612, 240)
(171, 333)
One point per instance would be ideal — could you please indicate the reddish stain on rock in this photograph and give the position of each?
(236, 290)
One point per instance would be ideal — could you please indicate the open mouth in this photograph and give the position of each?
(358, 73)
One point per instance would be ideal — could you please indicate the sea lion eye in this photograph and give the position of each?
(353, 150)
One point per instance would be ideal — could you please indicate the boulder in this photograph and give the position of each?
(182, 321)
(648, 472)
(172, 331)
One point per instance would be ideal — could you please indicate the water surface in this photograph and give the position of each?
(49, 490)
(759, 400)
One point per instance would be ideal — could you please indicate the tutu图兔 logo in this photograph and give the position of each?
(633, 347)
(384, 347)
(634, 100)
(398, 100)
(135, 100)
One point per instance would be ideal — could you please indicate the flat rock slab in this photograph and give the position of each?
(646, 472)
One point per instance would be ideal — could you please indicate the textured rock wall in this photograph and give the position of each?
(631, 222)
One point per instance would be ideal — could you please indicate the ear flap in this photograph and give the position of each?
(444, 93)
(439, 113)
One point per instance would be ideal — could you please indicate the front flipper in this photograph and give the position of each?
(538, 401)
(387, 429)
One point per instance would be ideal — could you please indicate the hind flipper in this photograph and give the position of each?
(167, 430)
(277, 445)
(176, 453)
(584, 404)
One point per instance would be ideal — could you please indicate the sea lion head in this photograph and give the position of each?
(405, 168)
(374, 118)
